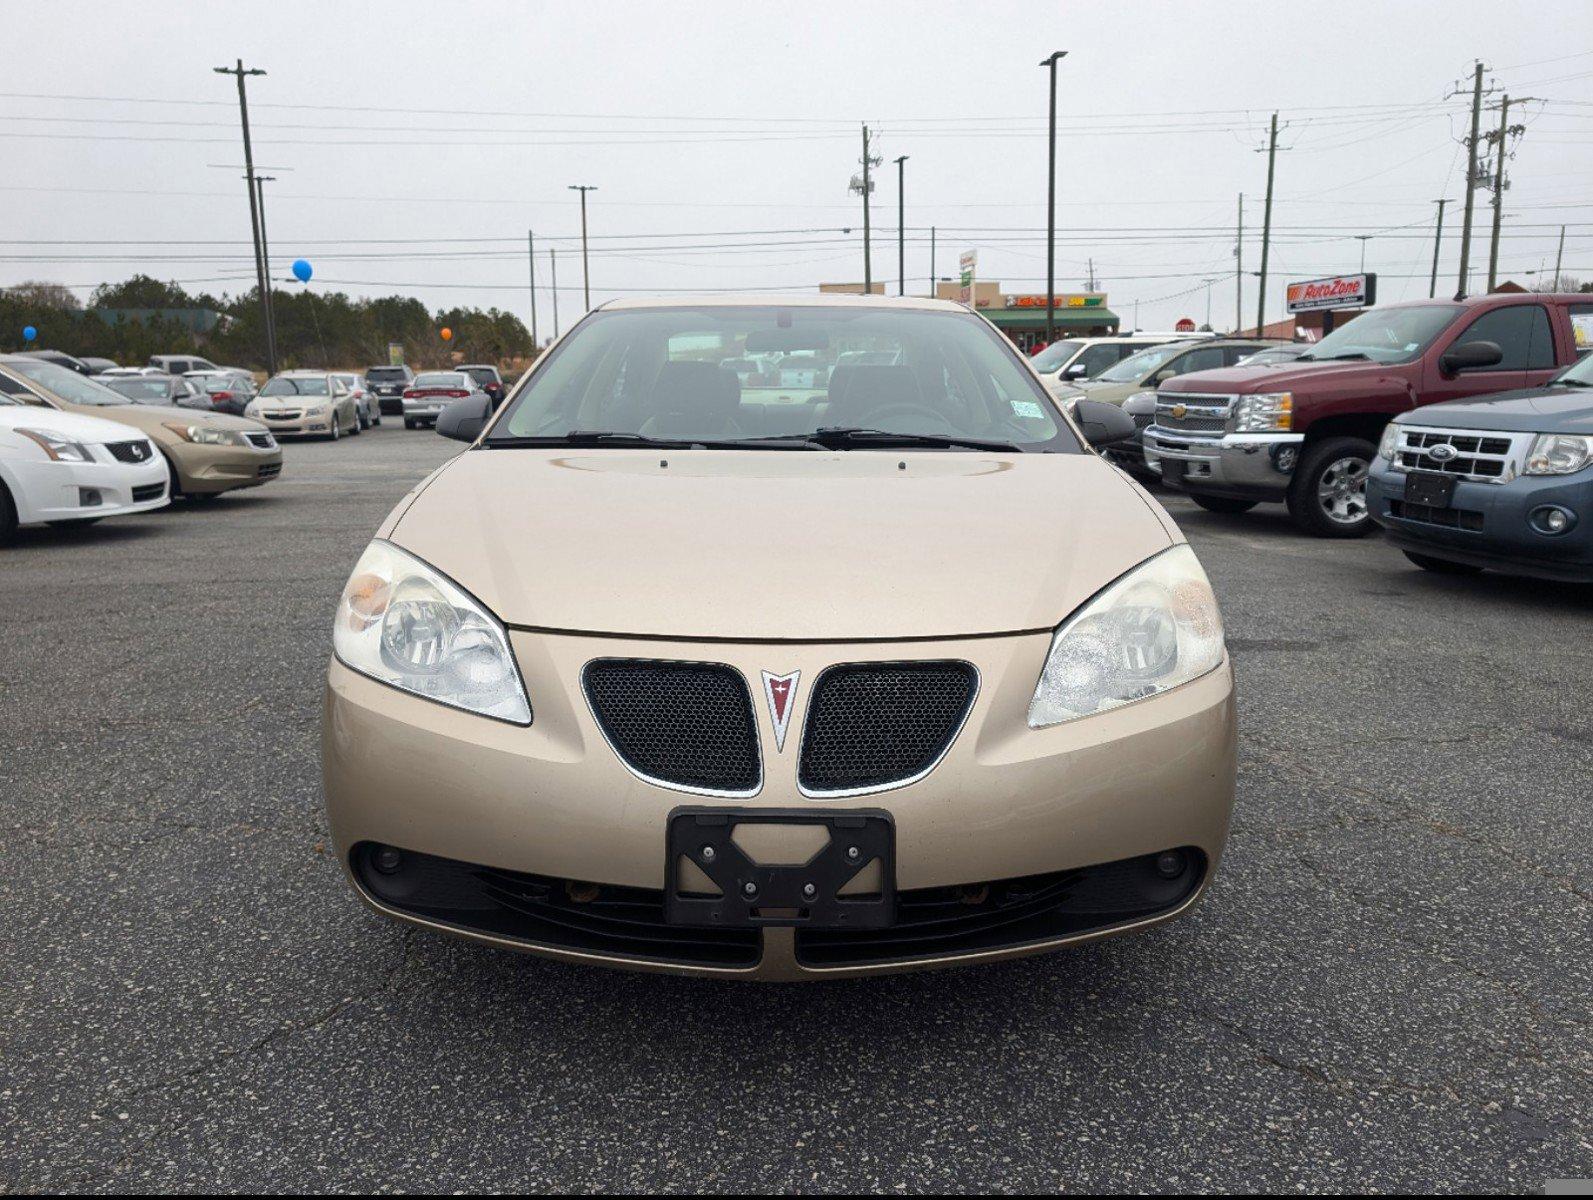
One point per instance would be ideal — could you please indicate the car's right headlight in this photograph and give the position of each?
(1559, 453)
(1388, 448)
(406, 624)
(1155, 628)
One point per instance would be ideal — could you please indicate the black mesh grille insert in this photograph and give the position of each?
(689, 725)
(874, 724)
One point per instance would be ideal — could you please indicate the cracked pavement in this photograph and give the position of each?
(1387, 989)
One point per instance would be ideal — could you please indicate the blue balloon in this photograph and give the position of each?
(302, 270)
(29, 333)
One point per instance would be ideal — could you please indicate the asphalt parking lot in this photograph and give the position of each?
(1387, 988)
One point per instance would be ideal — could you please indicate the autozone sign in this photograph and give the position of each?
(1339, 291)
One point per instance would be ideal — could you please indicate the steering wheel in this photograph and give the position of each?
(909, 409)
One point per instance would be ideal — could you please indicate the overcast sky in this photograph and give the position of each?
(414, 144)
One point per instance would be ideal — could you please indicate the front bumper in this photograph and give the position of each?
(553, 802)
(69, 491)
(204, 470)
(301, 424)
(1487, 523)
(1250, 466)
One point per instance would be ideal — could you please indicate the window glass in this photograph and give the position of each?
(1385, 335)
(292, 385)
(67, 385)
(1522, 333)
(1053, 356)
(1207, 358)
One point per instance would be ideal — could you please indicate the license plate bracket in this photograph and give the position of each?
(1430, 489)
(806, 895)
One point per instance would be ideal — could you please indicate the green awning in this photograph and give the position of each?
(1065, 318)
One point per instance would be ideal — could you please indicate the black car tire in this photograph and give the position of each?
(1441, 566)
(408, 424)
(1223, 504)
(8, 517)
(1322, 468)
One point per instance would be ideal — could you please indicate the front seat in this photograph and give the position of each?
(867, 389)
(694, 400)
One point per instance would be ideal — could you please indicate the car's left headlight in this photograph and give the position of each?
(1559, 453)
(1268, 412)
(204, 435)
(406, 624)
(1155, 628)
(57, 448)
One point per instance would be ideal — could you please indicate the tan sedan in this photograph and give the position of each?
(207, 452)
(879, 669)
(307, 404)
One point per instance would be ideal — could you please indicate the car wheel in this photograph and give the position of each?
(8, 517)
(1441, 566)
(1327, 496)
(1223, 504)
(408, 424)
(337, 428)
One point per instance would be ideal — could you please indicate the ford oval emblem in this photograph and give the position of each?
(1442, 452)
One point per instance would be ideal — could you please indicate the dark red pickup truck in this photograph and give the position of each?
(1305, 432)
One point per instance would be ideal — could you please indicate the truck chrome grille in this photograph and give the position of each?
(1200, 414)
(1482, 455)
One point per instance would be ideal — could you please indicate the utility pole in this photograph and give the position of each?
(1090, 283)
(531, 257)
(864, 187)
(1559, 257)
(1363, 238)
(553, 270)
(586, 278)
(1239, 270)
(1266, 229)
(265, 258)
(1471, 181)
(1499, 184)
(1438, 237)
(901, 219)
(934, 288)
(1050, 205)
(254, 212)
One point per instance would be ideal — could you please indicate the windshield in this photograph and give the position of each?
(675, 373)
(482, 374)
(1578, 374)
(1388, 335)
(440, 379)
(1137, 366)
(142, 390)
(1054, 356)
(68, 385)
(283, 386)
(387, 375)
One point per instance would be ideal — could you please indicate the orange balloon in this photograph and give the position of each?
(447, 334)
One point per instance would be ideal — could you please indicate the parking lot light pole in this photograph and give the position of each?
(1050, 207)
(586, 277)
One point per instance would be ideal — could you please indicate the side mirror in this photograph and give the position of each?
(463, 420)
(1102, 424)
(1470, 356)
(1076, 371)
(1164, 375)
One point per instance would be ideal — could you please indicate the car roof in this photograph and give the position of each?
(776, 300)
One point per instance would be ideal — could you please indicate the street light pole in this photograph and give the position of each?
(265, 260)
(901, 217)
(586, 278)
(1050, 207)
(531, 256)
(1363, 238)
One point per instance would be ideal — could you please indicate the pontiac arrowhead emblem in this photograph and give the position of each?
(780, 692)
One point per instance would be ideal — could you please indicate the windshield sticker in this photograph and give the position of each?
(1029, 409)
(1582, 327)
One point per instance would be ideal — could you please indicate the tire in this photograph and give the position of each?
(1441, 566)
(337, 429)
(8, 517)
(1223, 504)
(408, 424)
(1327, 496)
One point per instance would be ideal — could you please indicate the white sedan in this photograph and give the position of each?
(59, 468)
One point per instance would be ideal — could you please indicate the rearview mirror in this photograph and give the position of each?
(1470, 356)
(1101, 423)
(763, 341)
(463, 420)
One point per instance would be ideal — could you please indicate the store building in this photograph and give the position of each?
(1021, 315)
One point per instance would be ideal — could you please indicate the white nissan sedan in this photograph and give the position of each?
(62, 468)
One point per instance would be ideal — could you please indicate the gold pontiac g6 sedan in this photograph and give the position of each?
(863, 661)
(207, 452)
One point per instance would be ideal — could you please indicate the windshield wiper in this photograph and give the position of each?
(589, 437)
(849, 437)
(1570, 383)
(1353, 354)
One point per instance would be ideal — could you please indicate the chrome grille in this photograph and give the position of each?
(1485, 456)
(1201, 414)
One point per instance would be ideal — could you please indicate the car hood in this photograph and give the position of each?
(1112, 393)
(1532, 410)
(71, 425)
(798, 545)
(1271, 377)
(152, 418)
